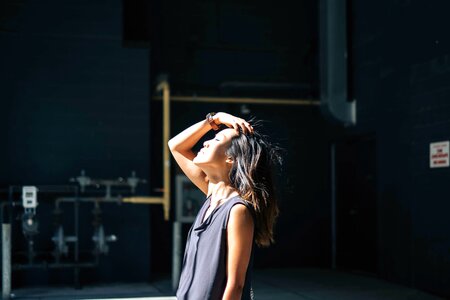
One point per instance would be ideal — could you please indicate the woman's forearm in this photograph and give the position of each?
(187, 139)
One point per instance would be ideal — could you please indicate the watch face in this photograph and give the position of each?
(211, 120)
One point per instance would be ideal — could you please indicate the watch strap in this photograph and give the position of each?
(210, 119)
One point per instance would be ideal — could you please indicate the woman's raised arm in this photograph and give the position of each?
(181, 147)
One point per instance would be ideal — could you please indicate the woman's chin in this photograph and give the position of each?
(197, 160)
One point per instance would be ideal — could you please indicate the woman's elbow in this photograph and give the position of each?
(171, 145)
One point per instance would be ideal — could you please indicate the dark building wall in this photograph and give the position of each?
(204, 44)
(73, 98)
(401, 73)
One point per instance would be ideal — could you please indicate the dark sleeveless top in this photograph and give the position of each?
(203, 275)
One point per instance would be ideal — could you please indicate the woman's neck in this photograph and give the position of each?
(219, 187)
(221, 191)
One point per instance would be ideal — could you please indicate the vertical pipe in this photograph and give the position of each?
(334, 63)
(176, 254)
(166, 158)
(333, 205)
(76, 270)
(30, 250)
(11, 205)
(6, 261)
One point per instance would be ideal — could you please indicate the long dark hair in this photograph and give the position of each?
(254, 162)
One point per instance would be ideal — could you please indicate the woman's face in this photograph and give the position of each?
(213, 151)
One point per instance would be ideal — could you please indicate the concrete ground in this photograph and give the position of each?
(278, 284)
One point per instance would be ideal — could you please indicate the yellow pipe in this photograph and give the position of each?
(166, 155)
(165, 199)
(144, 200)
(243, 100)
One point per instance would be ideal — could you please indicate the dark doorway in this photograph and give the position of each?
(356, 234)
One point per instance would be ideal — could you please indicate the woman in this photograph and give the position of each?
(234, 170)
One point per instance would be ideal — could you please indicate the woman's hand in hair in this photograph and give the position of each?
(233, 122)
